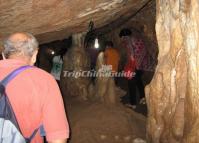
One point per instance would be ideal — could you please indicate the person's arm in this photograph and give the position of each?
(54, 116)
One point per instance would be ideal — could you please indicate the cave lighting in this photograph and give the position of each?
(96, 43)
(52, 52)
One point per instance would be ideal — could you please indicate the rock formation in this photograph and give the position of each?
(144, 22)
(56, 19)
(105, 86)
(172, 97)
(75, 61)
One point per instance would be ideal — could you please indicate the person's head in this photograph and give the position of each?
(109, 44)
(125, 32)
(23, 46)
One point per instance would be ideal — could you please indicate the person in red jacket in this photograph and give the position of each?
(34, 94)
(136, 51)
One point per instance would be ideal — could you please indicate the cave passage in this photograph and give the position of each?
(90, 98)
(127, 69)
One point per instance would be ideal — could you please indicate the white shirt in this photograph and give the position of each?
(57, 67)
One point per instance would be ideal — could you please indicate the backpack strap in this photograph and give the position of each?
(7, 79)
(28, 140)
(13, 74)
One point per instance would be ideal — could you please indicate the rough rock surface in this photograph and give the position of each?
(94, 122)
(55, 19)
(76, 60)
(105, 88)
(144, 21)
(172, 97)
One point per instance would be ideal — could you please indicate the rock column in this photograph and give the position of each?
(173, 95)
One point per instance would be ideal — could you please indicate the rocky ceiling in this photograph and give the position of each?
(56, 19)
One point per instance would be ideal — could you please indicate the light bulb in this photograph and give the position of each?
(53, 52)
(96, 43)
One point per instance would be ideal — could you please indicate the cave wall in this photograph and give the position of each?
(144, 22)
(172, 96)
(1, 46)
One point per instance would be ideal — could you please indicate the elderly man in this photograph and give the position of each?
(34, 94)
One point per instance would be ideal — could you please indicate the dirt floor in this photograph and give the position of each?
(94, 122)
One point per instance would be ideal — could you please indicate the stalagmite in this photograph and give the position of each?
(105, 86)
(105, 89)
(75, 61)
(173, 96)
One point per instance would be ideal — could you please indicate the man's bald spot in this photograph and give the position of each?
(20, 42)
(19, 37)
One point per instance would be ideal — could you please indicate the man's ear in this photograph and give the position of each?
(34, 58)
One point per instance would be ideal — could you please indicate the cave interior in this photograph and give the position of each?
(97, 108)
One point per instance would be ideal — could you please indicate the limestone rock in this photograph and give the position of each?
(105, 87)
(139, 140)
(56, 19)
(75, 61)
(172, 96)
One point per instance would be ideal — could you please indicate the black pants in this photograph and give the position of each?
(134, 84)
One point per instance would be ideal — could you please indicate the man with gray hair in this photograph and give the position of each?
(34, 94)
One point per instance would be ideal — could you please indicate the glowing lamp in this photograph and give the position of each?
(96, 43)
